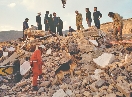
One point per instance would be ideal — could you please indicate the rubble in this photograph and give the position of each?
(102, 71)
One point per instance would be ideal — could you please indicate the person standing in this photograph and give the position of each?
(25, 26)
(51, 25)
(60, 26)
(96, 16)
(79, 20)
(55, 22)
(117, 25)
(38, 20)
(36, 64)
(46, 21)
(88, 17)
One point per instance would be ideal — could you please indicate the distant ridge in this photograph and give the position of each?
(10, 35)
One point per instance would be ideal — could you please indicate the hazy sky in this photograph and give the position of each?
(14, 12)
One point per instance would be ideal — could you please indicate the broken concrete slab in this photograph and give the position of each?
(99, 83)
(59, 93)
(94, 42)
(86, 93)
(25, 67)
(104, 60)
(49, 51)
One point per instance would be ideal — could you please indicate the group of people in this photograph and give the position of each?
(117, 21)
(96, 17)
(54, 24)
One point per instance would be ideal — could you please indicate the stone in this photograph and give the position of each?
(92, 86)
(123, 88)
(111, 95)
(69, 92)
(94, 42)
(25, 67)
(41, 90)
(4, 87)
(105, 56)
(59, 93)
(86, 93)
(99, 83)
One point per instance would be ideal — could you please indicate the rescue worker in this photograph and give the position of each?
(71, 29)
(46, 21)
(36, 64)
(117, 25)
(88, 17)
(25, 26)
(60, 26)
(79, 20)
(38, 20)
(55, 22)
(51, 25)
(96, 16)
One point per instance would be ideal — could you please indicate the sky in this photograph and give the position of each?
(14, 12)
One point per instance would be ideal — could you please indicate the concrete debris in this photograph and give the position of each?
(100, 83)
(103, 71)
(107, 57)
(59, 93)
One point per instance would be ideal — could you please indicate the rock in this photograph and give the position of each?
(45, 83)
(41, 90)
(86, 93)
(111, 95)
(4, 87)
(59, 93)
(107, 57)
(69, 92)
(99, 83)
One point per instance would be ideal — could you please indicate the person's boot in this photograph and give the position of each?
(35, 88)
(40, 77)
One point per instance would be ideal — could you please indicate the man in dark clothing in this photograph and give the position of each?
(60, 26)
(51, 25)
(38, 20)
(25, 26)
(46, 21)
(71, 29)
(55, 22)
(96, 16)
(88, 17)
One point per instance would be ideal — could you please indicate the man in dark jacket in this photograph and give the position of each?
(38, 20)
(88, 17)
(60, 26)
(25, 26)
(55, 21)
(46, 21)
(51, 25)
(71, 29)
(96, 16)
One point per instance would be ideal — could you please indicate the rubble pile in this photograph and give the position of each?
(104, 71)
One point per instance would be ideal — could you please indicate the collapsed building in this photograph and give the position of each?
(105, 69)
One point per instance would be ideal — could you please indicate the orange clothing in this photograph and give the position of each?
(36, 60)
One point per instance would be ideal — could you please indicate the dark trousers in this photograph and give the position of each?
(39, 27)
(97, 23)
(51, 27)
(46, 27)
(60, 31)
(54, 28)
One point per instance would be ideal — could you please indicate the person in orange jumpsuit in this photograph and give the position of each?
(36, 64)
